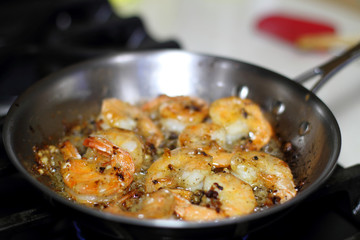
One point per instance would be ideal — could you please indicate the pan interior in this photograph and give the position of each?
(75, 93)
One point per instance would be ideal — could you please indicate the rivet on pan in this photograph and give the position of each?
(278, 108)
(304, 128)
(241, 91)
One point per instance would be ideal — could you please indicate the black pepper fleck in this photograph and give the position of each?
(120, 176)
(218, 186)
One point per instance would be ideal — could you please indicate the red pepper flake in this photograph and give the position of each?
(211, 194)
(217, 209)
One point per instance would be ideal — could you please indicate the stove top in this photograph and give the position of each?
(45, 36)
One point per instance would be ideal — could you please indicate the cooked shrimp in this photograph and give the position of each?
(152, 106)
(229, 195)
(116, 113)
(225, 196)
(207, 137)
(99, 178)
(172, 158)
(242, 119)
(111, 138)
(181, 167)
(202, 134)
(262, 170)
(187, 211)
(68, 151)
(175, 113)
(156, 205)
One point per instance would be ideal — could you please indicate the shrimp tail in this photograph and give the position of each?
(118, 157)
(102, 145)
(68, 150)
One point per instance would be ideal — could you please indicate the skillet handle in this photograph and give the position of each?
(327, 70)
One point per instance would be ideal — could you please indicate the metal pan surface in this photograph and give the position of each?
(74, 93)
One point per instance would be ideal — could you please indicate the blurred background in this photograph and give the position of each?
(39, 37)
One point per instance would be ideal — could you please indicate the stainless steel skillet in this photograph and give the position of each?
(76, 92)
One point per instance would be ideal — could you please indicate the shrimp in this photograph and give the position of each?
(99, 178)
(155, 205)
(228, 194)
(116, 113)
(175, 113)
(264, 171)
(68, 150)
(242, 119)
(202, 134)
(108, 139)
(187, 211)
(225, 196)
(183, 193)
(182, 167)
(207, 137)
